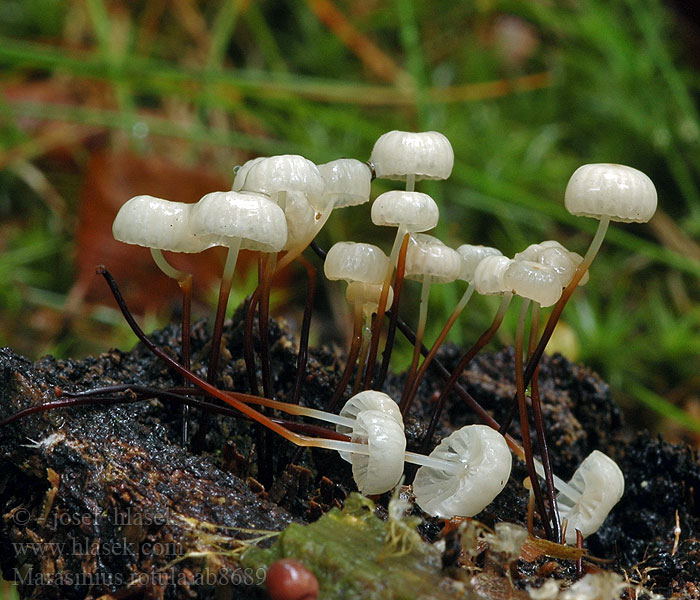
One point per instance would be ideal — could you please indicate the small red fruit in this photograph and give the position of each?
(289, 579)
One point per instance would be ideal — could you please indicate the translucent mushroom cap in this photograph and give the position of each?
(368, 295)
(554, 255)
(601, 485)
(427, 255)
(532, 280)
(427, 155)
(488, 275)
(617, 191)
(300, 217)
(381, 470)
(414, 211)
(284, 173)
(241, 172)
(356, 261)
(482, 466)
(220, 218)
(472, 256)
(157, 223)
(348, 182)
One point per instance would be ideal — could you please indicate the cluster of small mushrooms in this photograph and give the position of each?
(279, 204)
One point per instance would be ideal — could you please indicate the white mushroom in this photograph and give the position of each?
(348, 182)
(597, 485)
(481, 467)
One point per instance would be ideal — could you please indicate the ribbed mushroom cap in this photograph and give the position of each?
(483, 462)
(601, 484)
(472, 256)
(368, 295)
(348, 182)
(617, 191)
(300, 217)
(364, 401)
(381, 470)
(563, 263)
(157, 223)
(241, 172)
(534, 281)
(284, 173)
(488, 275)
(356, 261)
(427, 155)
(427, 255)
(220, 218)
(413, 210)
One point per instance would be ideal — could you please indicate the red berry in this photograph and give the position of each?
(288, 579)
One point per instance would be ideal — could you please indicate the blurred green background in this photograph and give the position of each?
(99, 99)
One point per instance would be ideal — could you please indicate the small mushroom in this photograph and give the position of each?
(481, 468)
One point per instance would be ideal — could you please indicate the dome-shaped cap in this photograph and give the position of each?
(472, 256)
(427, 255)
(220, 218)
(534, 281)
(427, 155)
(348, 182)
(241, 172)
(413, 210)
(368, 294)
(300, 217)
(601, 484)
(157, 223)
(482, 463)
(617, 191)
(488, 275)
(381, 470)
(284, 173)
(356, 261)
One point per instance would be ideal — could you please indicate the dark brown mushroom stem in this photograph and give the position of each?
(302, 355)
(484, 339)
(352, 358)
(379, 322)
(248, 345)
(524, 422)
(540, 430)
(264, 324)
(186, 287)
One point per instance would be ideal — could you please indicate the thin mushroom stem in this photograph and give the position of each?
(420, 331)
(184, 280)
(352, 357)
(539, 426)
(485, 417)
(302, 355)
(391, 331)
(364, 347)
(264, 324)
(438, 342)
(396, 251)
(452, 379)
(248, 345)
(224, 292)
(524, 423)
(554, 316)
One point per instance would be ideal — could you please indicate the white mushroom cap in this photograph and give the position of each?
(367, 400)
(300, 216)
(488, 275)
(482, 461)
(368, 294)
(601, 484)
(348, 182)
(157, 223)
(381, 470)
(241, 172)
(472, 256)
(532, 280)
(427, 255)
(220, 218)
(284, 173)
(617, 191)
(413, 210)
(353, 261)
(427, 155)
(554, 255)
